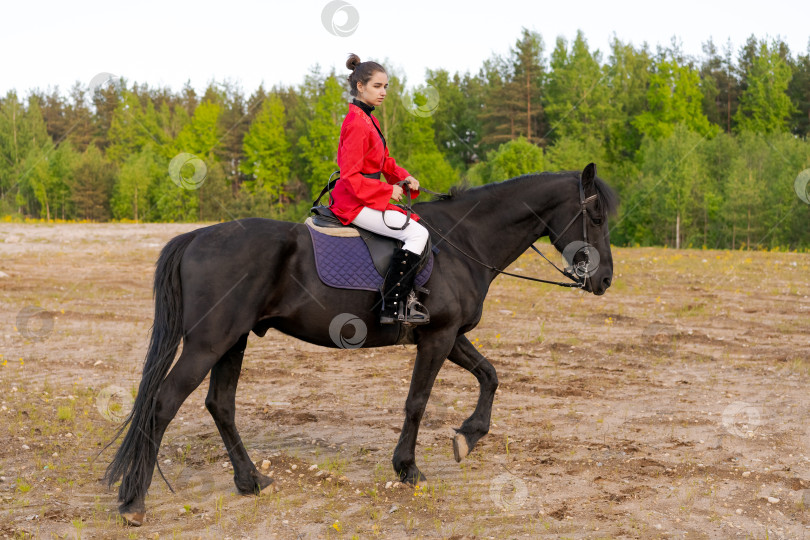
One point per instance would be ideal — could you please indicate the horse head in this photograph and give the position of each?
(579, 230)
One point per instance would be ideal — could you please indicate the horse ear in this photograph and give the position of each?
(588, 175)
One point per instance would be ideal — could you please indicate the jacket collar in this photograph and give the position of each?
(364, 106)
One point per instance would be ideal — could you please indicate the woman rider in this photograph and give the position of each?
(360, 198)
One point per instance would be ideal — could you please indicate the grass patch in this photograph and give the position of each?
(66, 413)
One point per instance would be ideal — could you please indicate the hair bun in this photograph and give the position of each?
(352, 62)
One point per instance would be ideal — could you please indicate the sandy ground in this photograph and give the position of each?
(675, 406)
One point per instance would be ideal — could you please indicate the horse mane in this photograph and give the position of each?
(607, 196)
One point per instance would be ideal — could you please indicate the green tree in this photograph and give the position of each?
(762, 207)
(674, 97)
(318, 147)
(132, 127)
(577, 100)
(720, 86)
(513, 93)
(799, 92)
(130, 199)
(765, 106)
(526, 87)
(53, 109)
(37, 182)
(106, 99)
(11, 113)
(573, 153)
(509, 160)
(267, 151)
(48, 178)
(455, 121)
(718, 156)
(411, 136)
(25, 147)
(92, 185)
(235, 120)
(628, 73)
(198, 137)
(79, 119)
(672, 173)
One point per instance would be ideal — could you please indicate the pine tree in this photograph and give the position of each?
(92, 185)
(79, 119)
(106, 99)
(720, 86)
(236, 119)
(799, 92)
(54, 113)
(526, 87)
(512, 94)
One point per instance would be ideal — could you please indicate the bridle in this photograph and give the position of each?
(581, 269)
(578, 273)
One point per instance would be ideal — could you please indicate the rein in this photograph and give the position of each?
(577, 274)
(578, 277)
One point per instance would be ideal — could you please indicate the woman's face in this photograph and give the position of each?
(374, 92)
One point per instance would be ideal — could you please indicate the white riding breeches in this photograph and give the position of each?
(414, 236)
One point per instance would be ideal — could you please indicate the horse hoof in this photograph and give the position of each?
(460, 448)
(269, 489)
(134, 519)
(411, 475)
(414, 479)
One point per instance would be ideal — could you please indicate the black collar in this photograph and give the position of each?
(367, 109)
(363, 105)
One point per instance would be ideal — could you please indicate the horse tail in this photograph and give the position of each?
(132, 461)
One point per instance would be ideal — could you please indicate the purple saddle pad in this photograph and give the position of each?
(345, 263)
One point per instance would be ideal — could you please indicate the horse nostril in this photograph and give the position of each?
(606, 282)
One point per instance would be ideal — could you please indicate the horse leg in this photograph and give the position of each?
(476, 426)
(430, 356)
(194, 363)
(221, 403)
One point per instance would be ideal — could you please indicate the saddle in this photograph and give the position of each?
(380, 247)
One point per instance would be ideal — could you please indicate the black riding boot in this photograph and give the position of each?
(396, 290)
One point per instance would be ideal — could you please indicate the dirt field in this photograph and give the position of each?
(675, 406)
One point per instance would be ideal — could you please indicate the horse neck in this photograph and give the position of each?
(497, 225)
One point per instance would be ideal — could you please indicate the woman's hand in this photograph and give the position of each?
(413, 183)
(397, 193)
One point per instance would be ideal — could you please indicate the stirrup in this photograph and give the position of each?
(415, 312)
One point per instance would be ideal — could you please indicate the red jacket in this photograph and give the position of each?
(361, 151)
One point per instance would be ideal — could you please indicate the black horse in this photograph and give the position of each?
(215, 285)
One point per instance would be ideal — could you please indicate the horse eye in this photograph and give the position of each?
(597, 221)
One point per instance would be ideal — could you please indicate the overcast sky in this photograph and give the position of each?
(166, 43)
